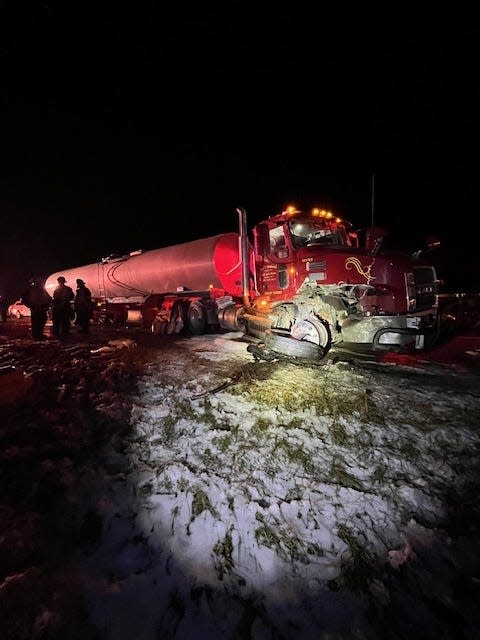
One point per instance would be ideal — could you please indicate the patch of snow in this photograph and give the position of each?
(245, 515)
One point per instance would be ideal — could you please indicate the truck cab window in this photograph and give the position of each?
(278, 243)
(309, 232)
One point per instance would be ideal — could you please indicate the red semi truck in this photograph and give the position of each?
(306, 281)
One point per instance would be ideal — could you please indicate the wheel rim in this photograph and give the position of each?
(313, 330)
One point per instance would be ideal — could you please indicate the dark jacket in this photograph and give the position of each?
(62, 296)
(83, 300)
(37, 298)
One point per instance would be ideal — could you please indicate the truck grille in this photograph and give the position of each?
(426, 288)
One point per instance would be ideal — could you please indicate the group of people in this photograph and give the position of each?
(66, 305)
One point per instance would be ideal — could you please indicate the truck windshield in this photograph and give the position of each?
(308, 231)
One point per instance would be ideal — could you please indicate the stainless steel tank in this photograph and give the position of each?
(198, 265)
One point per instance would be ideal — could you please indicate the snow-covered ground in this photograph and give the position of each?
(274, 501)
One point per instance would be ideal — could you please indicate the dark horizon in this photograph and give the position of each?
(139, 129)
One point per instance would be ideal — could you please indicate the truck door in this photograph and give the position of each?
(272, 255)
(274, 270)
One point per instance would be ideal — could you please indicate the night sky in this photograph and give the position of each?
(144, 125)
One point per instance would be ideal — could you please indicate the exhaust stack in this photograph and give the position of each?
(244, 255)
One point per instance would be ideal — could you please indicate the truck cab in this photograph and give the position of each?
(311, 268)
(286, 243)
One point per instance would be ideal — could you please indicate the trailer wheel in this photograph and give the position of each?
(284, 343)
(176, 324)
(196, 318)
(159, 326)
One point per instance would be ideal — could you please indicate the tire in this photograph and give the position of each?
(176, 324)
(286, 345)
(196, 318)
(159, 327)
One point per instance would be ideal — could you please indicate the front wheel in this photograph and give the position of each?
(286, 345)
(315, 330)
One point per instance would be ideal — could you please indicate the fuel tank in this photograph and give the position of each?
(198, 265)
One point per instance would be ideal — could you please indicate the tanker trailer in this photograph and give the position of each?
(137, 287)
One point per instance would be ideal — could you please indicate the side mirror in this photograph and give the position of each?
(374, 238)
(432, 242)
(353, 235)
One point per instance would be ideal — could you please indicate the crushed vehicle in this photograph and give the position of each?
(300, 283)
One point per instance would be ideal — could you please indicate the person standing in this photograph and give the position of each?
(38, 300)
(83, 306)
(61, 308)
(3, 308)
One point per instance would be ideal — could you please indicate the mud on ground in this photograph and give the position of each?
(61, 402)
